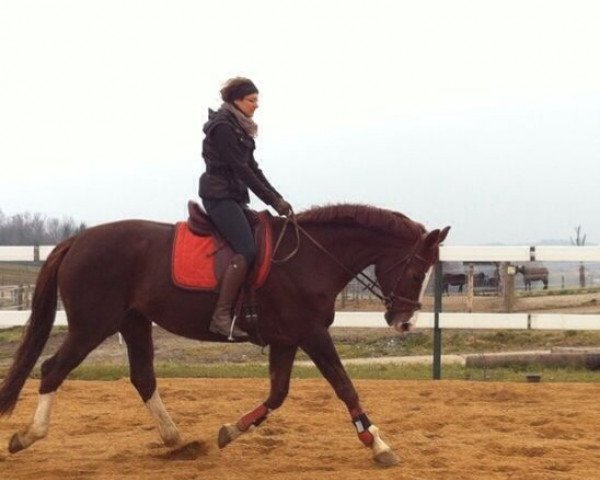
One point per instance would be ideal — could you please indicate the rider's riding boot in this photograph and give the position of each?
(234, 278)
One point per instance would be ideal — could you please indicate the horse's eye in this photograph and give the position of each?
(418, 277)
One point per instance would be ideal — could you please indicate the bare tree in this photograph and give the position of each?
(36, 229)
(53, 230)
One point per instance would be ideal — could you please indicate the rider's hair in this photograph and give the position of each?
(237, 88)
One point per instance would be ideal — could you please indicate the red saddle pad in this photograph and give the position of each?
(194, 262)
(193, 259)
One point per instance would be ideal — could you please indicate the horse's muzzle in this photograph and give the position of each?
(403, 327)
(401, 321)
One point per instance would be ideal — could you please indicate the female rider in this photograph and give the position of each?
(228, 150)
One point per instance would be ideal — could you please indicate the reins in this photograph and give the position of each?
(360, 276)
(297, 227)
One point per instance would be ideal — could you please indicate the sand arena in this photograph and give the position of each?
(441, 430)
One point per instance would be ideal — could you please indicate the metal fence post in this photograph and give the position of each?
(437, 331)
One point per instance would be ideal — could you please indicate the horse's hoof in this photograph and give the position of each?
(224, 437)
(173, 441)
(387, 459)
(15, 444)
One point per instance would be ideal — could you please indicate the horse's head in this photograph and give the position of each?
(403, 279)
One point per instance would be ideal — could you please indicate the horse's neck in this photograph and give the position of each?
(351, 247)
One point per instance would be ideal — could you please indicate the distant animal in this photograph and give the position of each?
(454, 279)
(483, 282)
(479, 279)
(533, 273)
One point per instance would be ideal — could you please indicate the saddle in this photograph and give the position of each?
(200, 255)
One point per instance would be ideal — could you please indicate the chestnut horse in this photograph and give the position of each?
(117, 278)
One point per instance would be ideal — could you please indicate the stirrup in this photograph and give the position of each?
(241, 335)
(228, 331)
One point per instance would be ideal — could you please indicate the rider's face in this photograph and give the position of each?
(247, 104)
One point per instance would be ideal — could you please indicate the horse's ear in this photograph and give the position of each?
(435, 237)
(432, 239)
(444, 233)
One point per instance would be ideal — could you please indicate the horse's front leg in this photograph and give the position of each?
(320, 348)
(281, 360)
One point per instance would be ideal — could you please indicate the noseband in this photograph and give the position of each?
(390, 301)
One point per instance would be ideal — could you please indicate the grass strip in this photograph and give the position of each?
(367, 371)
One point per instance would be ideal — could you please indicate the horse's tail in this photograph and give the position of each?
(37, 330)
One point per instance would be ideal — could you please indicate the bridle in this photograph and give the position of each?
(372, 285)
(406, 304)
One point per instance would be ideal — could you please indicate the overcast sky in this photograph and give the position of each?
(483, 115)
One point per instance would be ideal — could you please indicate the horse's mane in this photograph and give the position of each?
(385, 221)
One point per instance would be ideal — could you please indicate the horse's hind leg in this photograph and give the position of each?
(320, 348)
(281, 360)
(137, 333)
(54, 370)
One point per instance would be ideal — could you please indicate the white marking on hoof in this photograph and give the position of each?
(38, 428)
(382, 452)
(387, 459)
(228, 433)
(166, 427)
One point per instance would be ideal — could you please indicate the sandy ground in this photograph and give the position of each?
(441, 430)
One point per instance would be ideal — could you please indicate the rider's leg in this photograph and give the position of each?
(229, 218)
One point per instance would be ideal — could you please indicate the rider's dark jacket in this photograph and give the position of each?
(230, 165)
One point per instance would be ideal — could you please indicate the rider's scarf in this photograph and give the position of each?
(249, 126)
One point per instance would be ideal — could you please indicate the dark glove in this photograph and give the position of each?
(282, 207)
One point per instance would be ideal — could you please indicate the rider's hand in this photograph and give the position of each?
(282, 207)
